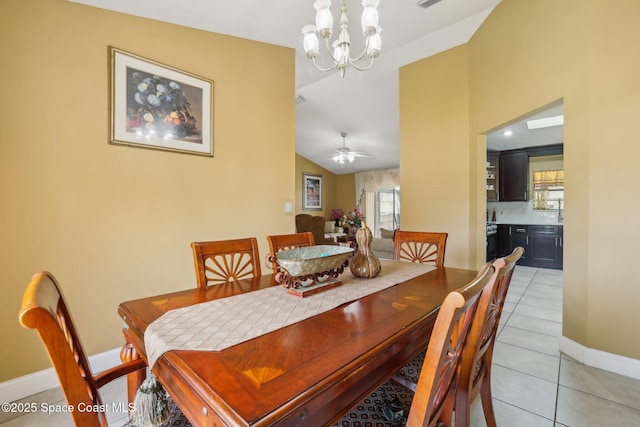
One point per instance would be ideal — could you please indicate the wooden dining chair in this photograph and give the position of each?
(45, 310)
(284, 242)
(420, 247)
(225, 261)
(474, 375)
(434, 399)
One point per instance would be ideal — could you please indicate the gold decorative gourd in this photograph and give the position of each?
(364, 263)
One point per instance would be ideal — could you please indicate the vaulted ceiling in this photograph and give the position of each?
(362, 104)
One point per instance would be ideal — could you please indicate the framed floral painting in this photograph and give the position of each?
(160, 107)
(311, 192)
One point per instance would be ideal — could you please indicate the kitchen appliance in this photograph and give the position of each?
(492, 241)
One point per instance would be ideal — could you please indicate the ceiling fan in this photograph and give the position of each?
(344, 154)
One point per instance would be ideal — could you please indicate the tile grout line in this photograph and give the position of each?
(555, 411)
(504, 323)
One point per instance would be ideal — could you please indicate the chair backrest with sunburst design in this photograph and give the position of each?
(419, 246)
(225, 261)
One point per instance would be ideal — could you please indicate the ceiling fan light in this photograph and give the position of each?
(351, 157)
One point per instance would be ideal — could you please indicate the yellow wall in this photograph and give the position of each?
(111, 222)
(346, 191)
(526, 55)
(434, 150)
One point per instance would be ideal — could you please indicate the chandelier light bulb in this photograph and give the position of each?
(324, 19)
(375, 43)
(369, 20)
(340, 50)
(310, 42)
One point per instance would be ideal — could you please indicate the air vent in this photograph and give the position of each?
(427, 3)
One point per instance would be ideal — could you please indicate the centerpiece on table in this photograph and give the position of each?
(308, 270)
(365, 263)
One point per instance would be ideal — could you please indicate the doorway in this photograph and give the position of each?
(525, 187)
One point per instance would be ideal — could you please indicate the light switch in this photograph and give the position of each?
(288, 207)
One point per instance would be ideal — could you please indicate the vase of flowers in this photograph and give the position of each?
(336, 215)
(354, 219)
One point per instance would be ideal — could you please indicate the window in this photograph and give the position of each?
(548, 189)
(378, 198)
(388, 209)
(381, 210)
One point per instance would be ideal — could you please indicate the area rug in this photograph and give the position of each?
(369, 412)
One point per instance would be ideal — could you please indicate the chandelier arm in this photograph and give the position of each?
(364, 52)
(363, 68)
(333, 58)
(321, 68)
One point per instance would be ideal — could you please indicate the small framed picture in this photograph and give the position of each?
(311, 192)
(160, 107)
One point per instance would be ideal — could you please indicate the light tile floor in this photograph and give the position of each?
(534, 385)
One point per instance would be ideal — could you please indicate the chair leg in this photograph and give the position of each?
(446, 415)
(136, 378)
(405, 382)
(487, 400)
(463, 415)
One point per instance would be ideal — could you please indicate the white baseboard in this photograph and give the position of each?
(599, 359)
(30, 384)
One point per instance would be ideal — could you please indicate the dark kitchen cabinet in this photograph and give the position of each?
(545, 246)
(519, 236)
(504, 240)
(514, 177)
(492, 246)
(542, 244)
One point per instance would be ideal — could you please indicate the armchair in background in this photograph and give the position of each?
(316, 225)
(382, 246)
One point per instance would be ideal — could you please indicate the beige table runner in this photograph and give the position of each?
(222, 323)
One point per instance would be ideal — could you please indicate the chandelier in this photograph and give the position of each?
(339, 50)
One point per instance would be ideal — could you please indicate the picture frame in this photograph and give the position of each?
(159, 107)
(311, 192)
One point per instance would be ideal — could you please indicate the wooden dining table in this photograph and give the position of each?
(308, 373)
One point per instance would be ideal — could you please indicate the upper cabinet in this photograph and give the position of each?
(508, 172)
(514, 177)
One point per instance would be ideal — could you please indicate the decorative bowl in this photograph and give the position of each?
(309, 265)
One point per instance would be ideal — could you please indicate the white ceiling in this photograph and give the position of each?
(363, 104)
(521, 136)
